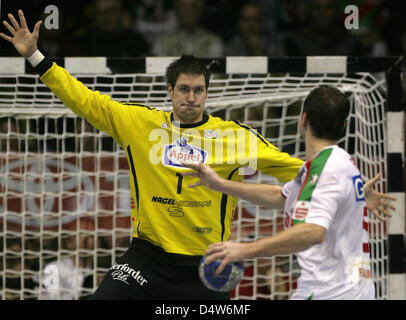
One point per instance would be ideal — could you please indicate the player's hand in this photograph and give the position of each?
(208, 177)
(22, 39)
(226, 252)
(376, 201)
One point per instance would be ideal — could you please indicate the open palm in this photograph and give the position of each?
(377, 201)
(22, 39)
(208, 177)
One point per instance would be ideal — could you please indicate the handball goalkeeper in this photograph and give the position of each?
(172, 225)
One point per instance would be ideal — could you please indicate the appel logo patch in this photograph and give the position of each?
(181, 151)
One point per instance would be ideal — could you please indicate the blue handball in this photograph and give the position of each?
(226, 280)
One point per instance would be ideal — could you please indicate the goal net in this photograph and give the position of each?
(64, 186)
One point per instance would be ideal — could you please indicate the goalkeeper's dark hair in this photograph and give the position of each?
(187, 64)
(327, 110)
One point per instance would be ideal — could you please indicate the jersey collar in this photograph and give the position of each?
(190, 125)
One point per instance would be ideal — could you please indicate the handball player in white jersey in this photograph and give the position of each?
(325, 209)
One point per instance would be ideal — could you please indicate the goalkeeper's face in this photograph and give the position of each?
(188, 98)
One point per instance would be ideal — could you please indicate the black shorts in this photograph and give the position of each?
(146, 272)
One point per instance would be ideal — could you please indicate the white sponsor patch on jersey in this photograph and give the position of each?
(301, 210)
(357, 268)
(174, 154)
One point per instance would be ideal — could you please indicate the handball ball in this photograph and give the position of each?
(224, 281)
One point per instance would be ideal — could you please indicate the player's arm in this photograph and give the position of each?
(376, 201)
(267, 158)
(310, 226)
(261, 194)
(300, 237)
(98, 109)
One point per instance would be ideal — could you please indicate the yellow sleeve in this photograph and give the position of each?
(265, 157)
(103, 113)
(275, 163)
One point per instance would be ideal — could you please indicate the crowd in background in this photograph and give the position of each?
(215, 28)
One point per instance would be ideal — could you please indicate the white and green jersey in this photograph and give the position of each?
(328, 191)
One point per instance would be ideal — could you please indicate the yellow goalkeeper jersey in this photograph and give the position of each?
(164, 211)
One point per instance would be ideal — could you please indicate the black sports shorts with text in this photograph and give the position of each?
(147, 272)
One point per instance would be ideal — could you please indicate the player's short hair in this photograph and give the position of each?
(187, 64)
(327, 109)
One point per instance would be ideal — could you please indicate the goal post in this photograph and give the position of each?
(396, 182)
(64, 193)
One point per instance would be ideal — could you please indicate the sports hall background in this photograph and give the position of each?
(213, 28)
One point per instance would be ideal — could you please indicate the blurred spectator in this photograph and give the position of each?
(71, 36)
(372, 18)
(220, 17)
(112, 34)
(189, 37)
(153, 17)
(252, 40)
(283, 15)
(323, 34)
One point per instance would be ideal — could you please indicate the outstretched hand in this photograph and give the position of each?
(376, 201)
(207, 176)
(22, 39)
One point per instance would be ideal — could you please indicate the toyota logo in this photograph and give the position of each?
(41, 189)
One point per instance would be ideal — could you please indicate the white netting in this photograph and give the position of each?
(64, 189)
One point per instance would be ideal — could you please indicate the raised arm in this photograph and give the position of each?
(261, 194)
(22, 39)
(99, 109)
